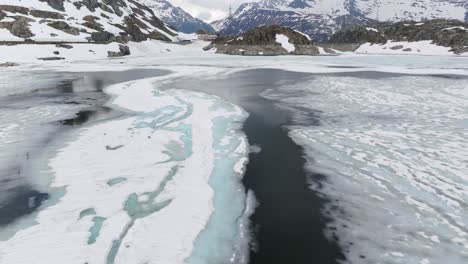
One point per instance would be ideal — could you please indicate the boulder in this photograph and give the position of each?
(123, 51)
(102, 37)
(65, 46)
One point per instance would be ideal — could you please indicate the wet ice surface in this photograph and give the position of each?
(395, 152)
(30, 116)
(152, 171)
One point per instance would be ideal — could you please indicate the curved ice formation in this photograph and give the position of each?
(179, 162)
(395, 151)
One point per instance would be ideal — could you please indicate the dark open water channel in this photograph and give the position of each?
(288, 223)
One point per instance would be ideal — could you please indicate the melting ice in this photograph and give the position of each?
(160, 184)
(395, 151)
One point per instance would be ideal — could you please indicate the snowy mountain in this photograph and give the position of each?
(321, 18)
(99, 21)
(176, 16)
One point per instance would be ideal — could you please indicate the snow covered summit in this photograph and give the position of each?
(321, 18)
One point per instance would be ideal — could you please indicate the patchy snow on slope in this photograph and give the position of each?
(425, 47)
(284, 41)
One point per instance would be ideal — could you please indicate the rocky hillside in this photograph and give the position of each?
(446, 33)
(97, 21)
(265, 41)
(177, 17)
(321, 18)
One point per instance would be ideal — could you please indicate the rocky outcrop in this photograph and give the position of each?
(137, 22)
(19, 27)
(55, 4)
(265, 41)
(447, 33)
(123, 51)
(63, 26)
(46, 14)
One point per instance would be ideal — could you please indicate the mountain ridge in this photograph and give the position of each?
(177, 16)
(321, 18)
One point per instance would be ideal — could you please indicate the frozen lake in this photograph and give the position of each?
(353, 159)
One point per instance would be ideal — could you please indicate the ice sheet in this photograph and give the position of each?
(394, 151)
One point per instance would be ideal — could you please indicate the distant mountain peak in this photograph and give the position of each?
(321, 18)
(176, 16)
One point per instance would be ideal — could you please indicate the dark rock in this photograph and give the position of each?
(15, 9)
(90, 18)
(46, 14)
(102, 37)
(158, 36)
(51, 58)
(105, 16)
(56, 52)
(53, 35)
(19, 28)
(55, 4)
(123, 51)
(65, 46)
(63, 26)
(8, 64)
(134, 30)
(91, 4)
(262, 41)
(106, 8)
(407, 49)
(93, 25)
(397, 47)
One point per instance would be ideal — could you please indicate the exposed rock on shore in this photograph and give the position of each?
(265, 41)
(446, 33)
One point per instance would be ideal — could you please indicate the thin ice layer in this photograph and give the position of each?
(395, 153)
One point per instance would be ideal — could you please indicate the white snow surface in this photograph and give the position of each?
(423, 47)
(284, 41)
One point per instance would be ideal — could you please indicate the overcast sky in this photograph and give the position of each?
(208, 10)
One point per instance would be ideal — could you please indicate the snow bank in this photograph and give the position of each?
(284, 41)
(425, 47)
